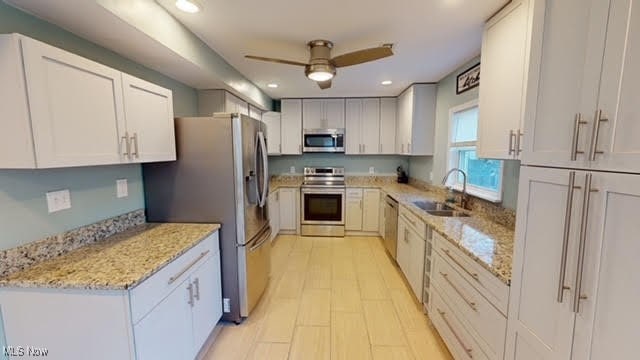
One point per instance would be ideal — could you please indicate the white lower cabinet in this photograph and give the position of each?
(410, 252)
(289, 209)
(274, 213)
(353, 216)
(168, 316)
(362, 210)
(573, 290)
(370, 210)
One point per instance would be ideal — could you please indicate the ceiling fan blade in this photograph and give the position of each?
(324, 84)
(362, 56)
(279, 61)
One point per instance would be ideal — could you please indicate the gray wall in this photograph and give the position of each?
(384, 164)
(421, 167)
(23, 209)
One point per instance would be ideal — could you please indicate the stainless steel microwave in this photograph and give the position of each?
(323, 140)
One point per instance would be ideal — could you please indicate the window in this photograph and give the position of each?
(484, 176)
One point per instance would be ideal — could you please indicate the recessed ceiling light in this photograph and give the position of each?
(189, 6)
(272, 85)
(387, 82)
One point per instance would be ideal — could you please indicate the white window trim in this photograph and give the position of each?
(452, 161)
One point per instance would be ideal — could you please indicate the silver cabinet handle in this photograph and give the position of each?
(363, 148)
(468, 350)
(565, 237)
(584, 227)
(135, 145)
(519, 135)
(402, 148)
(190, 290)
(189, 266)
(196, 283)
(576, 136)
(594, 137)
(409, 148)
(279, 148)
(300, 148)
(471, 304)
(127, 145)
(473, 275)
(406, 235)
(511, 147)
(380, 148)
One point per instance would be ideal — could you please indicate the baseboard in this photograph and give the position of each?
(361, 233)
(210, 340)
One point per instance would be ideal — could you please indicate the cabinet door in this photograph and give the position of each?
(505, 48)
(149, 118)
(313, 116)
(422, 121)
(540, 326)
(274, 213)
(207, 294)
(234, 104)
(288, 209)
(388, 111)
(291, 125)
(370, 209)
(370, 123)
(272, 121)
(353, 131)
(353, 221)
(416, 263)
(404, 121)
(607, 323)
(334, 113)
(77, 113)
(255, 113)
(403, 253)
(381, 219)
(566, 57)
(617, 138)
(166, 333)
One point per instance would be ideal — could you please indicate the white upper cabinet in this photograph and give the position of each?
(388, 116)
(149, 117)
(234, 104)
(505, 64)
(76, 107)
(65, 110)
(416, 120)
(362, 126)
(255, 113)
(272, 121)
(291, 123)
(323, 113)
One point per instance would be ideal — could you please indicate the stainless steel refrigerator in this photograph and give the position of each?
(220, 176)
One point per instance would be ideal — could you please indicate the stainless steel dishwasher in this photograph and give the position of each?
(391, 226)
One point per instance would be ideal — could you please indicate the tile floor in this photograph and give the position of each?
(332, 298)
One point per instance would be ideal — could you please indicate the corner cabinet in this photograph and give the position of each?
(65, 110)
(505, 50)
(291, 122)
(416, 120)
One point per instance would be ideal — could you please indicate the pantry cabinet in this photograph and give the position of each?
(323, 113)
(505, 50)
(416, 120)
(65, 110)
(570, 298)
(272, 121)
(362, 126)
(291, 123)
(388, 123)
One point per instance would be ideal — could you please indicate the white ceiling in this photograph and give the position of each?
(431, 37)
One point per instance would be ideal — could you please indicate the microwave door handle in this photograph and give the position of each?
(265, 168)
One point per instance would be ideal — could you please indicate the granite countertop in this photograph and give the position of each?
(488, 243)
(119, 262)
(285, 181)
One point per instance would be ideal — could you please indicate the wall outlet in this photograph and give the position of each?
(122, 188)
(292, 170)
(226, 305)
(58, 200)
(372, 170)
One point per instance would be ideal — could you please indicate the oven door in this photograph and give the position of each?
(322, 206)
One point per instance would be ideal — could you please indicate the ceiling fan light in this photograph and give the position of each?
(188, 6)
(320, 72)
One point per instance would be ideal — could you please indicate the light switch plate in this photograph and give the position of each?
(292, 170)
(58, 200)
(372, 170)
(122, 188)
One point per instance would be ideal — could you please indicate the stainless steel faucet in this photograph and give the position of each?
(464, 198)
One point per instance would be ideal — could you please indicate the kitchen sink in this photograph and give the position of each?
(447, 213)
(432, 206)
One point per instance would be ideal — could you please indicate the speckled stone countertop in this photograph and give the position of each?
(119, 262)
(488, 243)
(281, 181)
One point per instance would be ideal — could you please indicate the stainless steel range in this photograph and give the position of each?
(323, 202)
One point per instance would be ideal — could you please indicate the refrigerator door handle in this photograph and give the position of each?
(265, 168)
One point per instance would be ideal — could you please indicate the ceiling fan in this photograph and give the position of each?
(321, 67)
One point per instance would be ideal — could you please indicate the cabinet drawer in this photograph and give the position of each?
(151, 291)
(482, 319)
(354, 193)
(459, 341)
(413, 222)
(480, 278)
